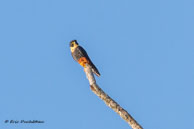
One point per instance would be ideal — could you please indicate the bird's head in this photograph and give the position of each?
(73, 45)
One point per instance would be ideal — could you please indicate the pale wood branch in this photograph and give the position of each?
(109, 101)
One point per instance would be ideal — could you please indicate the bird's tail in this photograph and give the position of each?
(95, 70)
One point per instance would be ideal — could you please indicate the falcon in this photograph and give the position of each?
(81, 56)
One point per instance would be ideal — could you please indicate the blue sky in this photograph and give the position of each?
(143, 49)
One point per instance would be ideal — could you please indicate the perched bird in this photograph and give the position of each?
(81, 56)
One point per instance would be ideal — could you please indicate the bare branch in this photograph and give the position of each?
(109, 101)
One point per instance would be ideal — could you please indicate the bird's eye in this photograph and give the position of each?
(72, 45)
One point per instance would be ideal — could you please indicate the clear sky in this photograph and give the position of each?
(144, 51)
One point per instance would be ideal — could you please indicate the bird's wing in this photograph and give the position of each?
(84, 53)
